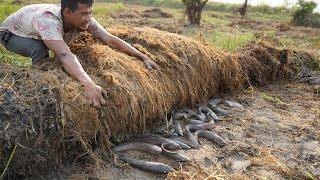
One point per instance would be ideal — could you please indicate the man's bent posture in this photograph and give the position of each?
(34, 29)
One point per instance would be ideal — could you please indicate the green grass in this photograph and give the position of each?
(10, 58)
(13, 59)
(315, 42)
(313, 63)
(226, 40)
(6, 9)
(269, 17)
(221, 21)
(230, 41)
(100, 10)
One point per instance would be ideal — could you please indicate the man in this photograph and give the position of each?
(35, 29)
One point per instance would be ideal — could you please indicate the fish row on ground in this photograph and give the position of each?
(182, 132)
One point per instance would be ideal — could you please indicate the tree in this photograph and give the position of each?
(194, 9)
(303, 15)
(17, 1)
(243, 9)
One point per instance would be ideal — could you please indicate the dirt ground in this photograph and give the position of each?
(276, 136)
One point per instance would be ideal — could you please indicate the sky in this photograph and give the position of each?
(269, 2)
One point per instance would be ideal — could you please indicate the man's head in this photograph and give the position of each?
(77, 12)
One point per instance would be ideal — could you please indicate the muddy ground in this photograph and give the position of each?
(276, 136)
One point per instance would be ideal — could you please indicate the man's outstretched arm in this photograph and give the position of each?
(99, 32)
(72, 65)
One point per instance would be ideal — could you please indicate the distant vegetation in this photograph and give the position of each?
(304, 15)
(212, 6)
(194, 10)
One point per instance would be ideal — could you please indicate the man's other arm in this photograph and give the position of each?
(100, 33)
(72, 65)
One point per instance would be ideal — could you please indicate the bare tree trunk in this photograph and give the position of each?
(194, 9)
(17, 2)
(243, 9)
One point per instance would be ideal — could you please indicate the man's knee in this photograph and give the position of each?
(35, 49)
(39, 53)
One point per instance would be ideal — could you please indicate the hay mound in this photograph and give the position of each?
(156, 13)
(149, 13)
(262, 64)
(155, 18)
(45, 115)
(125, 14)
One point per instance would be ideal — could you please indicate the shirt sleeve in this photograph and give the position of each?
(49, 28)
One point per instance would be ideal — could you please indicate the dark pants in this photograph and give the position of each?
(28, 47)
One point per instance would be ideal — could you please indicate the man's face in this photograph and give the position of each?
(81, 17)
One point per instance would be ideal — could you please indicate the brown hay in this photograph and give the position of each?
(263, 64)
(155, 13)
(52, 121)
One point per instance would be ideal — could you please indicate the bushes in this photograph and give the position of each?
(304, 14)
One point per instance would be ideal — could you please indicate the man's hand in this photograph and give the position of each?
(95, 94)
(150, 63)
(71, 64)
(100, 33)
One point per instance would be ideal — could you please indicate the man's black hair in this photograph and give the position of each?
(73, 4)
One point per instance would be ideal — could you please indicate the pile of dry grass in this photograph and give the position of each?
(262, 64)
(44, 113)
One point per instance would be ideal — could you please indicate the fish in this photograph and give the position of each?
(182, 144)
(178, 128)
(153, 167)
(191, 142)
(233, 104)
(219, 111)
(169, 133)
(190, 139)
(208, 112)
(179, 116)
(214, 101)
(158, 140)
(201, 116)
(194, 121)
(204, 126)
(138, 146)
(174, 155)
(211, 136)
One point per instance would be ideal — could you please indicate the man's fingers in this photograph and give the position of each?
(104, 93)
(156, 66)
(96, 95)
(149, 66)
(96, 103)
(152, 65)
(90, 102)
(102, 101)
